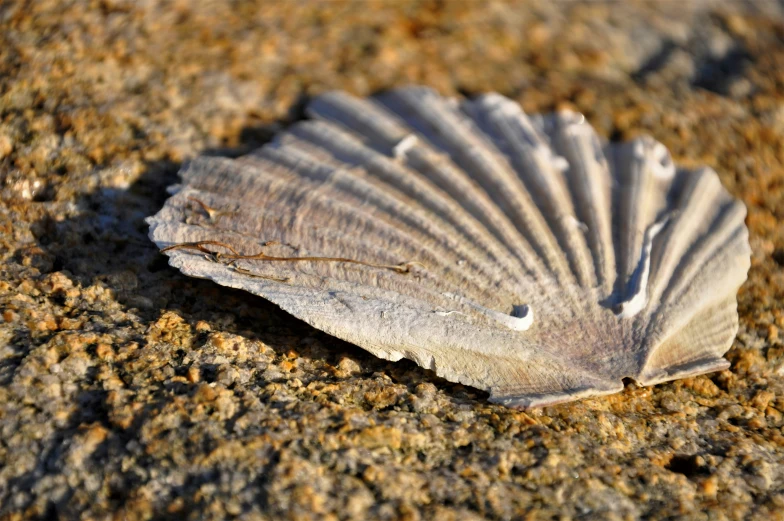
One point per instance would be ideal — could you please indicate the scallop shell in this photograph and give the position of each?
(513, 253)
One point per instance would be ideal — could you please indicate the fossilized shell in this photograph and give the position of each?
(511, 253)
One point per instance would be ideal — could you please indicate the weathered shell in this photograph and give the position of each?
(511, 253)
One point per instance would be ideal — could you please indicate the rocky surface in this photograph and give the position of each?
(128, 391)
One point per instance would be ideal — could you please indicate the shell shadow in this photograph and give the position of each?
(107, 245)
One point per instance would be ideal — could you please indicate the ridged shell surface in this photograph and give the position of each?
(517, 254)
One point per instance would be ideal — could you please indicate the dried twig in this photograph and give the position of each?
(212, 213)
(235, 255)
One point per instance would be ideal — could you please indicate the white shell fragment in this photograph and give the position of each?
(515, 254)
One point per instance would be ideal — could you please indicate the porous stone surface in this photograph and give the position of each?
(130, 392)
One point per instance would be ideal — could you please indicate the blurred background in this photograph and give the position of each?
(130, 392)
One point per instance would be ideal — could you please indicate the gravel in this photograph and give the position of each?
(128, 391)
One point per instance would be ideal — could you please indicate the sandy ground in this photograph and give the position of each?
(128, 391)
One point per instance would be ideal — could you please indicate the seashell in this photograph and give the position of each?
(513, 253)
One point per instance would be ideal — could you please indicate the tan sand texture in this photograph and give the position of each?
(129, 391)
